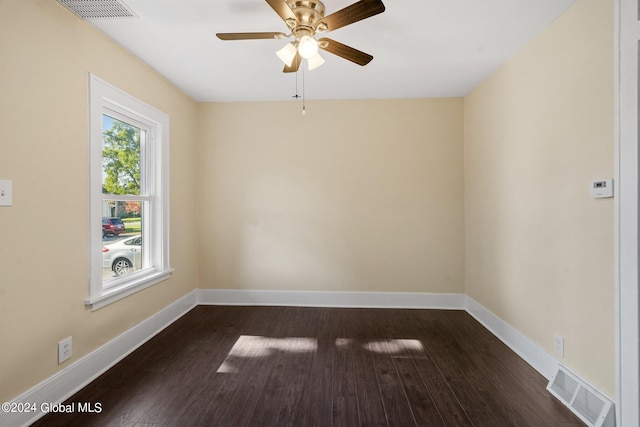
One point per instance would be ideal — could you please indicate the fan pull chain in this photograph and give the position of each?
(296, 96)
(304, 108)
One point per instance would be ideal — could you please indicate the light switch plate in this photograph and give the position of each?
(6, 192)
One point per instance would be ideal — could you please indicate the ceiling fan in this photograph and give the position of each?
(305, 18)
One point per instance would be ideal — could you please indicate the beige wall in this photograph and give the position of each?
(353, 196)
(539, 250)
(46, 54)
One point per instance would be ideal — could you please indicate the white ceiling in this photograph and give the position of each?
(421, 48)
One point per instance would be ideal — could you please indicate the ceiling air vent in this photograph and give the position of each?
(98, 9)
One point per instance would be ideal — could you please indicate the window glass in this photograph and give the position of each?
(121, 143)
(123, 251)
(122, 149)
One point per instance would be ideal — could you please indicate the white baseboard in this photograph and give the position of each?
(68, 381)
(332, 299)
(72, 378)
(531, 352)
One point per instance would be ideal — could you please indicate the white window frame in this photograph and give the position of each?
(107, 99)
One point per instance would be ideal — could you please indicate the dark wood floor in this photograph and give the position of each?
(292, 366)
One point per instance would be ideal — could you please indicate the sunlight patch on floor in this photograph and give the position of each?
(252, 347)
(248, 346)
(393, 347)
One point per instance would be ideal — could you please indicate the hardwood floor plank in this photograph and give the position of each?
(268, 402)
(449, 407)
(422, 404)
(291, 355)
(292, 409)
(465, 380)
(394, 397)
(417, 327)
(319, 397)
(247, 371)
(370, 405)
(345, 392)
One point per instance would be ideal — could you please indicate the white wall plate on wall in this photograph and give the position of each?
(601, 189)
(6, 192)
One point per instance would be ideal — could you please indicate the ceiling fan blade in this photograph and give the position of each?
(295, 65)
(282, 8)
(354, 13)
(344, 51)
(250, 36)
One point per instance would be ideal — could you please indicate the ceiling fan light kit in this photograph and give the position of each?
(306, 18)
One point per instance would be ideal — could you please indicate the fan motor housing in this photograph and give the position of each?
(308, 12)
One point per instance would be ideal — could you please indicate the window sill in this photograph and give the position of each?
(116, 293)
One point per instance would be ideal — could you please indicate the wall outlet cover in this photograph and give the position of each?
(6, 192)
(558, 345)
(65, 349)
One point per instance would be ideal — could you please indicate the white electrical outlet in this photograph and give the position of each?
(65, 350)
(558, 345)
(6, 192)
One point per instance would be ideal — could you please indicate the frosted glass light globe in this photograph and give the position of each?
(287, 54)
(308, 47)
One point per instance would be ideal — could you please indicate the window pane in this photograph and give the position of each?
(120, 157)
(124, 250)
